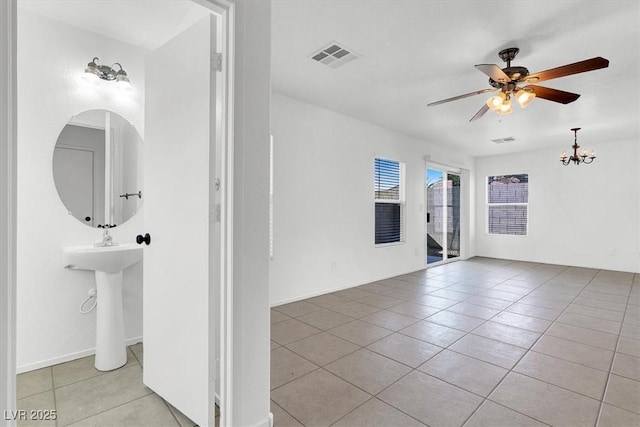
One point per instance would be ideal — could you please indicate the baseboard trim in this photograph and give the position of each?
(266, 423)
(66, 358)
(340, 288)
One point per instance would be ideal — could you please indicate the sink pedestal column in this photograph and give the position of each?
(111, 351)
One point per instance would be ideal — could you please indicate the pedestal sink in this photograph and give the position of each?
(108, 262)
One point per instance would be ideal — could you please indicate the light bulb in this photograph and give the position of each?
(505, 108)
(524, 97)
(89, 76)
(92, 70)
(563, 155)
(122, 80)
(496, 101)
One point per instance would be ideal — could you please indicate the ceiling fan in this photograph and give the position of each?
(510, 80)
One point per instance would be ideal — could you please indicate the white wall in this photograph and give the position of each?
(323, 200)
(251, 330)
(586, 215)
(50, 328)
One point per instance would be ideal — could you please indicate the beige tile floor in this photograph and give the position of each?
(84, 396)
(482, 342)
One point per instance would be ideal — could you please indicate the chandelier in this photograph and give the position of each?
(576, 157)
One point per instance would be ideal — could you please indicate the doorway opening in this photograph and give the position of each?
(72, 41)
(442, 196)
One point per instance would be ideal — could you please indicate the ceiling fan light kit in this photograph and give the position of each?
(525, 96)
(508, 80)
(505, 107)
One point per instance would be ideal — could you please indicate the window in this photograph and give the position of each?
(507, 202)
(389, 201)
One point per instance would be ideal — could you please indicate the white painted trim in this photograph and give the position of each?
(8, 205)
(465, 214)
(266, 423)
(67, 357)
(225, 9)
(339, 288)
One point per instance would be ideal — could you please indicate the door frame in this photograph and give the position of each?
(226, 15)
(8, 204)
(445, 169)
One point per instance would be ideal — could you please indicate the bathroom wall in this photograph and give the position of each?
(51, 60)
(323, 209)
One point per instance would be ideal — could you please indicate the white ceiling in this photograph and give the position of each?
(143, 23)
(419, 51)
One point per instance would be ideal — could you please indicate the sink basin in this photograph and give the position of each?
(108, 259)
(108, 262)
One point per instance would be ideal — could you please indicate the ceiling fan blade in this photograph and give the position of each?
(493, 71)
(466, 95)
(567, 70)
(480, 112)
(554, 95)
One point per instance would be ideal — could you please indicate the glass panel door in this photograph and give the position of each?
(435, 215)
(453, 215)
(442, 215)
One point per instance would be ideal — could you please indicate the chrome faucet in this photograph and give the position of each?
(107, 239)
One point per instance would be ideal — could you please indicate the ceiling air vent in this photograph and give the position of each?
(503, 140)
(334, 55)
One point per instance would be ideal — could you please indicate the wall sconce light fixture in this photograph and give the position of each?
(95, 70)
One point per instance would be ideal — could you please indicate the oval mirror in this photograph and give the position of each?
(97, 168)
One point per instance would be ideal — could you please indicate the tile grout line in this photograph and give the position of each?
(552, 322)
(173, 414)
(531, 349)
(487, 398)
(88, 379)
(102, 373)
(287, 412)
(448, 348)
(613, 359)
(109, 409)
(53, 389)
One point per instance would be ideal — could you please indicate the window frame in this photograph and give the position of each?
(488, 205)
(401, 201)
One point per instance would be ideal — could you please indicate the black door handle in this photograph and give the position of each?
(146, 239)
(428, 217)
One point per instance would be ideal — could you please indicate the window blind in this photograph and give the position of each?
(388, 201)
(507, 200)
